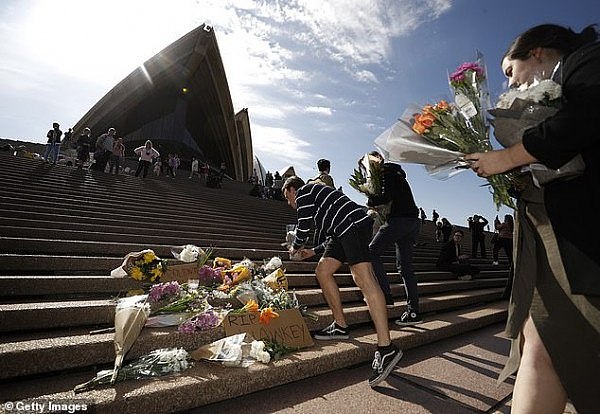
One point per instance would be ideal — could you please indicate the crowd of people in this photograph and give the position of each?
(107, 153)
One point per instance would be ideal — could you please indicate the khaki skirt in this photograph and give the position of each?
(568, 324)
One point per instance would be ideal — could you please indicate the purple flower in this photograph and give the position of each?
(459, 73)
(163, 290)
(207, 276)
(206, 320)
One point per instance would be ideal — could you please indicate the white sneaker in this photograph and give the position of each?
(494, 263)
(465, 277)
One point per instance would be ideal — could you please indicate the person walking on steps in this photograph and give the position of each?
(401, 230)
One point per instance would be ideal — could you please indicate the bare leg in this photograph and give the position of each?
(537, 388)
(365, 280)
(325, 270)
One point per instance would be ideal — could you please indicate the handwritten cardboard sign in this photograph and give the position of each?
(288, 329)
(181, 272)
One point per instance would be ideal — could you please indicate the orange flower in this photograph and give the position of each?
(419, 128)
(442, 106)
(427, 109)
(251, 306)
(266, 315)
(427, 119)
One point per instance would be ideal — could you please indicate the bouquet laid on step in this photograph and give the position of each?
(240, 350)
(438, 136)
(156, 363)
(520, 109)
(367, 179)
(144, 266)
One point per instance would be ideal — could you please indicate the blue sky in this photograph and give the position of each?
(319, 79)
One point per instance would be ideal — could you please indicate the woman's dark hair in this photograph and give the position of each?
(292, 182)
(550, 36)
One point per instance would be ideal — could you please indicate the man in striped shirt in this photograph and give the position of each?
(343, 231)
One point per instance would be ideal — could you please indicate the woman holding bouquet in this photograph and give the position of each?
(554, 313)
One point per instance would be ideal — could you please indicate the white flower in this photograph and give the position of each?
(257, 352)
(247, 263)
(257, 346)
(274, 263)
(189, 253)
(217, 294)
(536, 92)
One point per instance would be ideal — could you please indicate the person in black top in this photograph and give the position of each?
(401, 229)
(554, 313)
(435, 216)
(345, 229)
(477, 225)
(446, 229)
(53, 145)
(83, 147)
(452, 260)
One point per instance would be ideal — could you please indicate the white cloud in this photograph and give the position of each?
(281, 146)
(320, 110)
(365, 76)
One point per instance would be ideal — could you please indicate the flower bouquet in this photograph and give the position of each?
(156, 363)
(175, 304)
(193, 258)
(520, 109)
(144, 266)
(447, 131)
(368, 180)
(238, 351)
(131, 314)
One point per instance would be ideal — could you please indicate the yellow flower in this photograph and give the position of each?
(266, 315)
(222, 262)
(251, 306)
(156, 273)
(149, 256)
(136, 273)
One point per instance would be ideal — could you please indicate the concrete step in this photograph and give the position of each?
(56, 205)
(57, 245)
(206, 383)
(58, 352)
(72, 312)
(61, 264)
(14, 289)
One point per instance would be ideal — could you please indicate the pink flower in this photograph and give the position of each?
(459, 73)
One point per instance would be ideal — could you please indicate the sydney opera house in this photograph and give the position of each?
(180, 100)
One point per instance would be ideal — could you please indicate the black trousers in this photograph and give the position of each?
(143, 165)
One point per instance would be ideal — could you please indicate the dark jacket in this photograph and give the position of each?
(54, 136)
(395, 188)
(448, 254)
(574, 129)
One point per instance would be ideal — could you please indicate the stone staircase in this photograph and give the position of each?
(62, 230)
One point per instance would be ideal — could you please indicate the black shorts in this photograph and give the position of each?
(353, 246)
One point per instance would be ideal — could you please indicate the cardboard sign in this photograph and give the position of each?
(180, 272)
(288, 329)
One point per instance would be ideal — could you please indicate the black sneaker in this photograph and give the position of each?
(409, 319)
(333, 331)
(384, 362)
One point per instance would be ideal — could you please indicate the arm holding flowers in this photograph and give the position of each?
(499, 161)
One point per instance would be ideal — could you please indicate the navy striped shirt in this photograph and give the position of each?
(332, 212)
